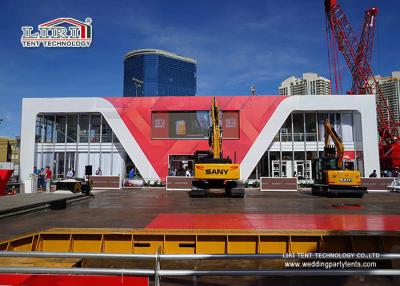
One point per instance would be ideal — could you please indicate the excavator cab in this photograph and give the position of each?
(324, 164)
(328, 162)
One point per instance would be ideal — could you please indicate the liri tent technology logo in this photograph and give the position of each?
(59, 33)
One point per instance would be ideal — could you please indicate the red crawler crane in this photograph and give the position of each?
(357, 52)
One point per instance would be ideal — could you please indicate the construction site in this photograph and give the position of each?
(210, 190)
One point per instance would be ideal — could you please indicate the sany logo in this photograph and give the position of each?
(216, 171)
(72, 34)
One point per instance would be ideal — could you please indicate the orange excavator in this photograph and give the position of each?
(333, 177)
(211, 169)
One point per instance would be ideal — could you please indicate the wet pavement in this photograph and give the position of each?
(138, 209)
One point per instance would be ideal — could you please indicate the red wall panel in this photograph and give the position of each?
(255, 111)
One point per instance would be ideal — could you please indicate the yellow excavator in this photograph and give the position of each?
(333, 177)
(211, 169)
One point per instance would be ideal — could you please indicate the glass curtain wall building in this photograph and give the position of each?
(301, 140)
(158, 73)
(282, 136)
(66, 141)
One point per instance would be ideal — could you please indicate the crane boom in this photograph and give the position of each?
(364, 49)
(357, 54)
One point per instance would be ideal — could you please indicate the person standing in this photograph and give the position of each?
(48, 179)
(36, 172)
(70, 174)
(373, 174)
(131, 173)
(42, 178)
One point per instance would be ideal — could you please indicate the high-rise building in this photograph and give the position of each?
(151, 72)
(311, 83)
(390, 88)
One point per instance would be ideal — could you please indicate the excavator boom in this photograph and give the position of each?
(216, 131)
(331, 133)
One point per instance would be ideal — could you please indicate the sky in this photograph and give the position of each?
(236, 44)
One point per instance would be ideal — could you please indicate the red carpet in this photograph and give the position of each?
(70, 279)
(277, 222)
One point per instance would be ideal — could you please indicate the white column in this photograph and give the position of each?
(27, 155)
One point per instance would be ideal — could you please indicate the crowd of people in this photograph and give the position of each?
(174, 172)
(44, 177)
(386, 173)
(390, 173)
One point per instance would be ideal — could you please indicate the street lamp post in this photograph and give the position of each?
(137, 83)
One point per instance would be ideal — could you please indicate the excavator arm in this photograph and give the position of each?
(331, 133)
(215, 141)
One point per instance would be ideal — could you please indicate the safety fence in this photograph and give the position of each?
(157, 272)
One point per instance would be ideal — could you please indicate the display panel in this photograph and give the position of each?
(191, 124)
(230, 124)
(159, 126)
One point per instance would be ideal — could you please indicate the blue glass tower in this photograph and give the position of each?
(150, 72)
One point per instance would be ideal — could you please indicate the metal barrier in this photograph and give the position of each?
(169, 257)
(175, 241)
(157, 272)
